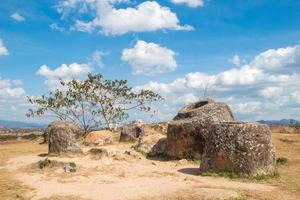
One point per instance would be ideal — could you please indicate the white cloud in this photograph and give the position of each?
(277, 58)
(55, 26)
(190, 3)
(149, 58)
(249, 107)
(9, 89)
(96, 58)
(145, 17)
(72, 70)
(267, 87)
(187, 98)
(296, 96)
(236, 60)
(65, 72)
(3, 49)
(271, 92)
(17, 17)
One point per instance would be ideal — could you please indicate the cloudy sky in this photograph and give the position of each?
(244, 52)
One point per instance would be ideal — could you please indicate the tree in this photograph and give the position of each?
(94, 102)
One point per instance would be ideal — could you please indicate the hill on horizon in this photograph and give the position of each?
(284, 122)
(18, 124)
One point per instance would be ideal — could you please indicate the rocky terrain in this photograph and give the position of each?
(203, 153)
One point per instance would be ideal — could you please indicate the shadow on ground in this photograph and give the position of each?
(190, 171)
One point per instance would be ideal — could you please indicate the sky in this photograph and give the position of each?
(243, 52)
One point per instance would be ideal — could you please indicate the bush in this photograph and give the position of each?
(281, 161)
(44, 163)
(262, 177)
(225, 174)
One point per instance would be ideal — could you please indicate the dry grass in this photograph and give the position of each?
(290, 172)
(10, 188)
(287, 146)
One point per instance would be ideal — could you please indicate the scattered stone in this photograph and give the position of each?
(98, 153)
(152, 144)
(182, 162)
(70, 167)
(240, 147)
(187, 131)
(98, 138)
(107, 162)
(61, 137)
(131, 133)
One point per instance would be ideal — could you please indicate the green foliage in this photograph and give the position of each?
(263, 177)
(44, 163)
(240, 197)
(196, 161)
(226, 174)
(93, 103)
(140, 150)
(73, 167)
(281, 161)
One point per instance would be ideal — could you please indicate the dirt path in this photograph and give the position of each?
(123, 176)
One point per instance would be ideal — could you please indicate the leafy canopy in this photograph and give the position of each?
(94, 102)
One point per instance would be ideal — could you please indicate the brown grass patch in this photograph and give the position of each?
(10, 188)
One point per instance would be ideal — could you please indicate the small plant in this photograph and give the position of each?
(281, 161)
(196, 161)
(44, 163)
(140, 150)
(263, 177)
(70, 167)
(231, 175)
(225, 174)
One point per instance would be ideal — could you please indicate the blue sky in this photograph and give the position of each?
(246, 53)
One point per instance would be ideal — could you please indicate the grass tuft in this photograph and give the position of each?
(281, 161)
(225, 174)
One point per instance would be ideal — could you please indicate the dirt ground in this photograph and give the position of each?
(126, 174)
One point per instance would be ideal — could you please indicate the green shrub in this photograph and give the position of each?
(225, 174)
(281, 161)
(44, 163)
(263, 177)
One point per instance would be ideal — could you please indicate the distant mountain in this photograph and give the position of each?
(17, 124)
(283, 122)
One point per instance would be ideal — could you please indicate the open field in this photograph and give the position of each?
(131, 176)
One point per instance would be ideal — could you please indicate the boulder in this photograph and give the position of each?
(61, 137)
(187, 131)
(77, 131)
(98, 152)
(152, 145)
(98, 138)
(240, 147)
(130, 133)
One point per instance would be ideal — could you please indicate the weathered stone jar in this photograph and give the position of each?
(241, 147)
(187, 131)
(61, 137)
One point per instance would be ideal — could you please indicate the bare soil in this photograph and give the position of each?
(126, 174)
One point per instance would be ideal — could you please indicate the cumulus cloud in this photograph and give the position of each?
(17, 17)
(55, 26)
(190, 3)
(249, 107)
(67, 72)
(72, 70)
(9, 89)
(296, 96)
(266, 85)
(3, 49)
(149, 58)
(235, 60)
(145, 17)
(271, 91)
(274, 59)
(64, 72)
